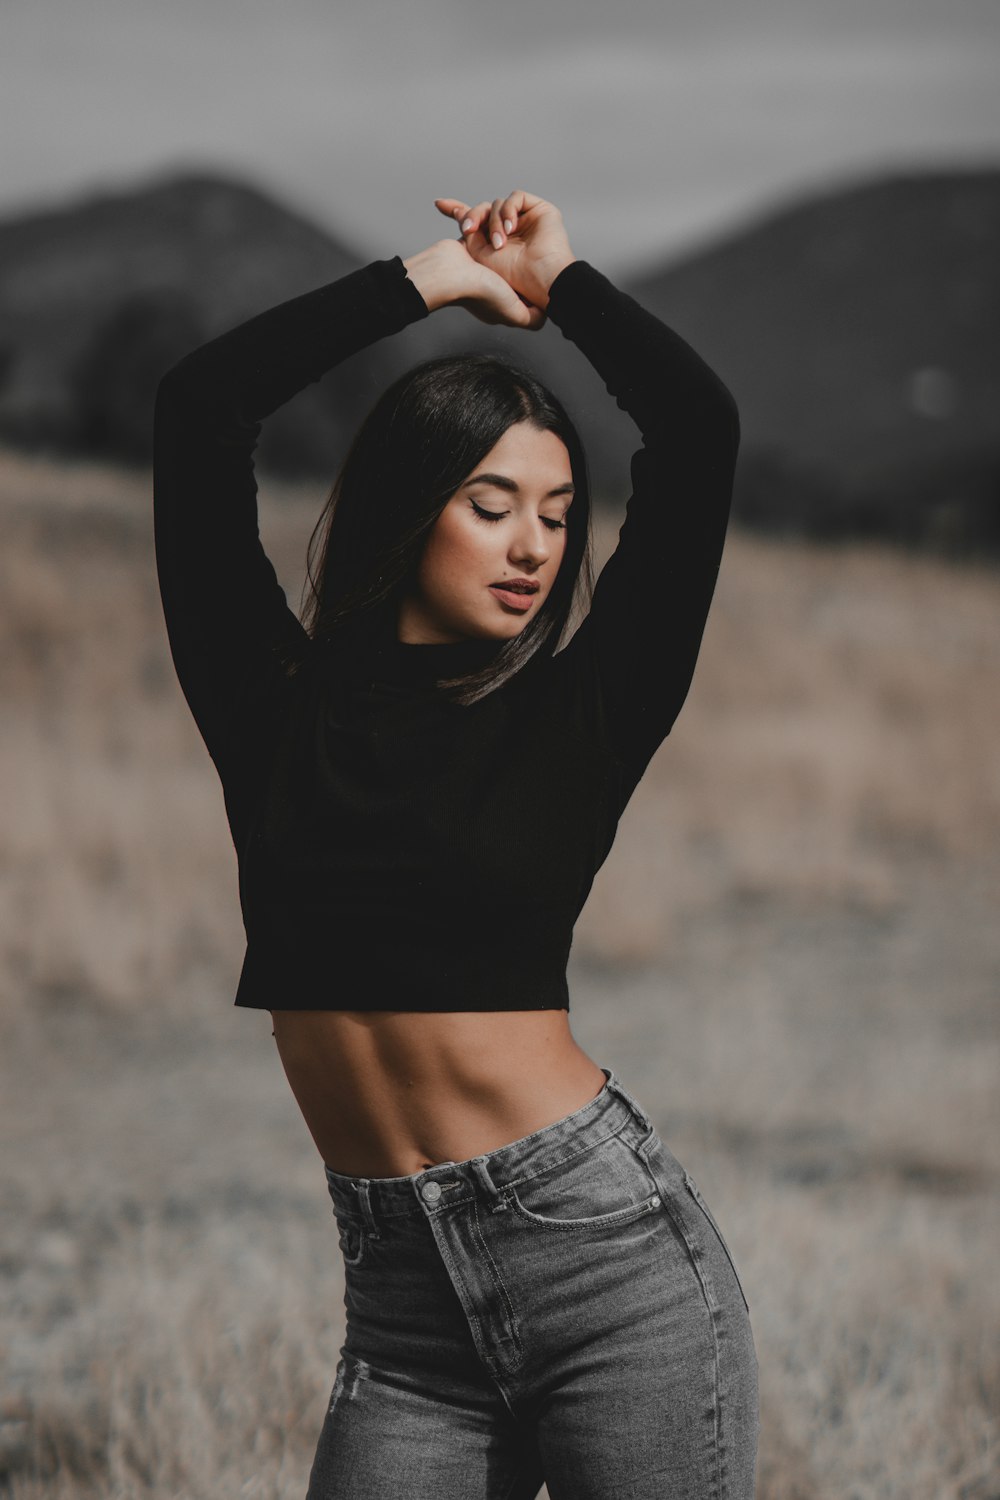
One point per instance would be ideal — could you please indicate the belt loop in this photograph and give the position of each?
(633, 1105)
(478, 1165)
(363, 1189)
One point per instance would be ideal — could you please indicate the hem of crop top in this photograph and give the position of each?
(346, 984)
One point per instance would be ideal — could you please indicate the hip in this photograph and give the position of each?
(588, 1231)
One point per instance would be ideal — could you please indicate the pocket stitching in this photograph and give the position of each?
(646, 1205)
(601, 1221)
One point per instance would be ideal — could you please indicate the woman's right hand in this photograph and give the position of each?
(446, 275)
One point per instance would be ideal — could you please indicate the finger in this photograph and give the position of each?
(521, 202)
(452, 208)
(523, 315)
(496, 226)
(518, 312)
(475, 218)
(508, 213)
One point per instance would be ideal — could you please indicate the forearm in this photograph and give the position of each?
(654, 374)
(253, 369)
(210, 405)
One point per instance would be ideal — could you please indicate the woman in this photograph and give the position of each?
(420, 791)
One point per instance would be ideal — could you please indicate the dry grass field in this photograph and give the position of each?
(792, 957)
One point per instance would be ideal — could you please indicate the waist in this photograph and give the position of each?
(389, 1093)
(610, 1112)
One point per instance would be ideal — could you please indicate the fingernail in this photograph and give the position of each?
(466, 223)
(498, 241)
(508, 225)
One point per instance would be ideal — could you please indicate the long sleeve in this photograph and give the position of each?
(231, 631)
(645, 626)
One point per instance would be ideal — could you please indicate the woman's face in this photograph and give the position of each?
(506, 524)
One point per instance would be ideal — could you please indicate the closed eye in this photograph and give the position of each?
(488, 515)
(498, 515)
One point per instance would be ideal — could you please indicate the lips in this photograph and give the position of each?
(516, 593)
(517, 585)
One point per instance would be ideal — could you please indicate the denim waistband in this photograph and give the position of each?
(609, 1113)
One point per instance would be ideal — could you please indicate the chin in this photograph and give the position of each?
(505, 631)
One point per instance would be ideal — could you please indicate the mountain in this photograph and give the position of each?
(859, 331)
(98, 298)
(860, 334)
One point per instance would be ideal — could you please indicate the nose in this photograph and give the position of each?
(530, 544)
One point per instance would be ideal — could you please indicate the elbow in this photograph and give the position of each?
(716, 419)
(735, 429)
(727, 415)
(173, 384)
(165, 412)
(176, 416)
(179, 402)
(169, 399)
(186, 382)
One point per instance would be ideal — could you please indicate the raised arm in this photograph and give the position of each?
(231, 632)
(652, 598)
(230, 629)
(651, 601)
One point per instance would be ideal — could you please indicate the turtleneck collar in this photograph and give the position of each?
(383, 660)
(406, 664)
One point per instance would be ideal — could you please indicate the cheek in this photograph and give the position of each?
(453, 552)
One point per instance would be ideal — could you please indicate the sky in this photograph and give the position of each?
(655, 125)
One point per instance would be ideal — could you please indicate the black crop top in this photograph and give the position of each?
(397, 850)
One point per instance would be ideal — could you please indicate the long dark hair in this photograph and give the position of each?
(423, 437)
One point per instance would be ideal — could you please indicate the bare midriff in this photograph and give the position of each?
(389, 1093)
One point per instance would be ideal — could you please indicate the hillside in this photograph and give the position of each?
(98, 298)
(859, 331)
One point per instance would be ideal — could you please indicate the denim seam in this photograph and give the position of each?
(457, 1282)
(500, 1287)
(711, 1308)
(473, 1318)
(696, 1195)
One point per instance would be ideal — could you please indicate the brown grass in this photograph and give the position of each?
(791, 957)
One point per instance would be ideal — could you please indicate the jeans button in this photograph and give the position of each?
(431, 1191)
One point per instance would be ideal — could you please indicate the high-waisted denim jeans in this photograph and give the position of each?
(563, 1309)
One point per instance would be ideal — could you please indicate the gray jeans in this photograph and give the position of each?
(561, 1310)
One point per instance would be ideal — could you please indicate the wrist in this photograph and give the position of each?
(547, 274)
(430, 276)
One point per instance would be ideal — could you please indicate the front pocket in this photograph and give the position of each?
(693, 1189)
(604, 1186)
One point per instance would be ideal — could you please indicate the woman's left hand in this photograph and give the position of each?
(522, 237)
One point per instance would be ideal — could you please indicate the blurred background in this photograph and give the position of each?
(792, 955)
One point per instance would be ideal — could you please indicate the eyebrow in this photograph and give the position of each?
(502, 482)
